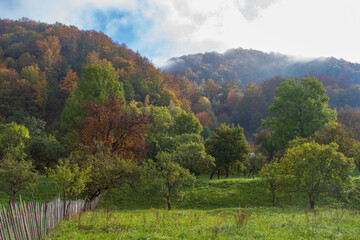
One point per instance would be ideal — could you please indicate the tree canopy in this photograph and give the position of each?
(97, 83)
(228, 146)
(318, 169)
(299, 109)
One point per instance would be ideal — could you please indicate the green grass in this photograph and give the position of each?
(222, 193)
(263, 223)
(45, 188)
(207, 211)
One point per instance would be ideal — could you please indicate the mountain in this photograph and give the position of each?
(246, 66)
(40, 64)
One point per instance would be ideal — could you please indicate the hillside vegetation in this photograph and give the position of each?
(85, 117)
(248, 65)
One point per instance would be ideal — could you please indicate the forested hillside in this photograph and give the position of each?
(246, 66)
(238, 85)
(41, 63)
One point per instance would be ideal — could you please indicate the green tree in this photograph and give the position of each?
(70, 178)
(45, 151)
(318, 169)
(186, 123)
(299, 110)
(35, 126)
(355, 154)
(12, 135)
(277, 178)
(228, 146)
(190, 154)
(256, 162)
(108, 171)
(16, 172)
(265, 143)
(36, 100)
(171, 177)
(158, 136)
(97, 83)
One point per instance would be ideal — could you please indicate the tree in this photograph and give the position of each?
(277, 178)
(119, 129)
(45, 151)
(205, 118)
(12, 135)
(228, 146)
(355, 154)
(97, 83)
(68, 83)
(190, 154)
(70, 179)
(266, 144)
(8, 78)
(16, 172)
(351, 121)
(38, 89)
(250, 109)
(256, 162)
(299, 110)
(108, 171)
(186, 123)
(50, 52)
(318, 169)
(35, 126)
(171, 177)
(211, 89)
(202, 105)
(337, 134)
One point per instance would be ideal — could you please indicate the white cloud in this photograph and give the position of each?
(251, 9)
(177, 27)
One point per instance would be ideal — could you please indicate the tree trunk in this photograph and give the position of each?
(169, 205)
(212, 175)
(64, 205)
(274, 200)
(311, 202)
(12, 198)
(227, 172)
(168, 202)
(89, 200)
(250, 173)
(218, 173)
(273, 194)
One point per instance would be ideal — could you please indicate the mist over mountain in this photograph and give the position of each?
(248, 65)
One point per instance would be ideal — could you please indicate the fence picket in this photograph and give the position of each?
(33, 220)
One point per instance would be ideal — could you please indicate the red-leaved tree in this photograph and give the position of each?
(119, 129)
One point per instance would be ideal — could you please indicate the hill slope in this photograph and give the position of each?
(36, 59)
(247, 66)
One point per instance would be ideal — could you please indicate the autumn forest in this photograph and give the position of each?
(94, 116)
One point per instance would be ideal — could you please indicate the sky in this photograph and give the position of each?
(161, 29)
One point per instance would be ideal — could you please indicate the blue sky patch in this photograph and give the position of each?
(122, 26)
(9, 4)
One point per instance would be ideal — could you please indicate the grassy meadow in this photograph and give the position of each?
(235, 208)
(222, 223)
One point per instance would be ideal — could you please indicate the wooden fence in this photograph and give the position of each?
(31, 221)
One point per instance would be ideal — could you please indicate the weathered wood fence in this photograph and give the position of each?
(32, 220)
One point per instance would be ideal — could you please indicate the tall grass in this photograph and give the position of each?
(262, 223)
